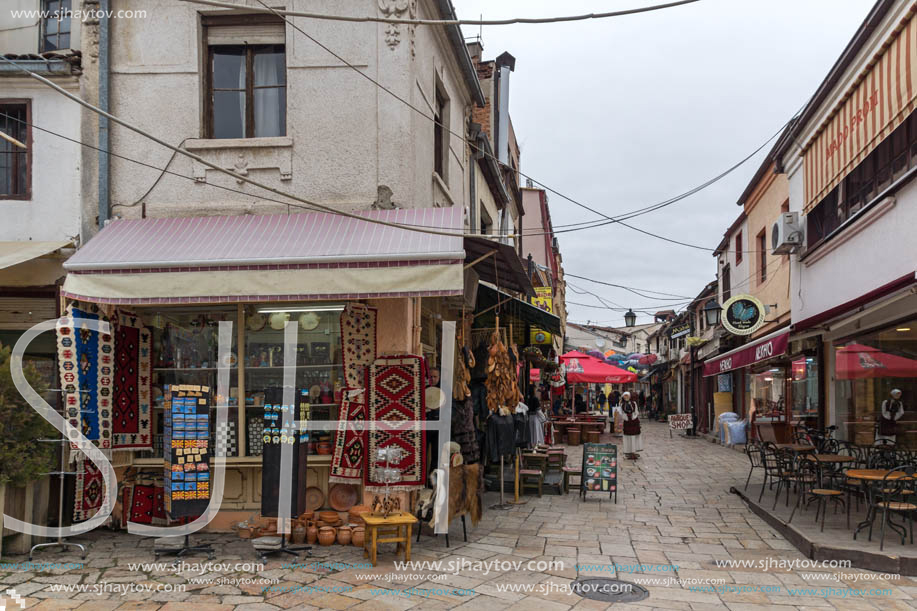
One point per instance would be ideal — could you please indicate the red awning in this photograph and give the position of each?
(584, 369)
(285, 257)
(767, 347)
(859, 362)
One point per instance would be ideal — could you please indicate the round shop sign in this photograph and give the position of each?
(743, 315)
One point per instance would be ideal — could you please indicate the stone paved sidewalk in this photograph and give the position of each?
(674, 516)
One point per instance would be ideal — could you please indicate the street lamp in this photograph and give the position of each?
(630, 319)
(712, 313)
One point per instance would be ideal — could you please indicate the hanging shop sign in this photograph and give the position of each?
(544, 298)
(539, 337)
(765, 348)
(743, 315)
(680, 330)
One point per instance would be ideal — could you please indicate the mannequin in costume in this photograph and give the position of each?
(891, 412)
(633, 438)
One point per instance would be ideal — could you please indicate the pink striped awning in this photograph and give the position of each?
(270, 257)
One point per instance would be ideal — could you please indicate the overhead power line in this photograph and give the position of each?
(628, 288)
(477, 22)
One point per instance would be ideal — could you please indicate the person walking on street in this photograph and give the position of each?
(601, 400)
(633, 438)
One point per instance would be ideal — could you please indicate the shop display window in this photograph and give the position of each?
(768, 394)
(867, 368)
(804, 386)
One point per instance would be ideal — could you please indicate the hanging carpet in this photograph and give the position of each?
(85, 359)
(131, 406)
(350, 440)
(396, 394)
(358, 341)
(88, 490)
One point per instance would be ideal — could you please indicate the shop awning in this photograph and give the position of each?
(762, 349)
(497, 264)
(582, 368)
(278, 257)
(14, 253)
(489, 297)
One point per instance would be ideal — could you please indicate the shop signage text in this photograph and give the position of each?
(743, 315)
(680, 330)
(755, 353)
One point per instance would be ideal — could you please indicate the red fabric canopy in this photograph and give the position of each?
(860, 362)
(582, 368)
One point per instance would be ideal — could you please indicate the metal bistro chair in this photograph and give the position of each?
(787, 474)
(808, 483)
(771, 467)
(893, 493)
(755, 453)
(851, 487)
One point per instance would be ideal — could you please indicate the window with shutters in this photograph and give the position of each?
(15, 162)
(245, 77)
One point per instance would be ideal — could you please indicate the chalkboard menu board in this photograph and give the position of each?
(600, 469)
(186, 440)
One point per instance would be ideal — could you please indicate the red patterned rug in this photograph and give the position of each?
(396, 394)
(89, 490)
(147, 505)
(131, 405)
(349, 441)
(358, 340)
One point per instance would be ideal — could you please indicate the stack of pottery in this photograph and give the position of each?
(355, 515)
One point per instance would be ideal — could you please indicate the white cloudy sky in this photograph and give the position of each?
(625, 112)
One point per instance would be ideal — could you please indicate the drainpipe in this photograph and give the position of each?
(104, 140)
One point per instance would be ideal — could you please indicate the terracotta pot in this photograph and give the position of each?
(306, 516)
(344, 535)
(323, 448)
(299, 534)
(358, 536)
(312, 533)
(326, 535)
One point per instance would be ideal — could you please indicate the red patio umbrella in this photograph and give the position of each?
(584, 369)
(860, 362)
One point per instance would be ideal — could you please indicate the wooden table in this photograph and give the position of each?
(865, 475)
(395, 528)
(796, 447)
(830, 458)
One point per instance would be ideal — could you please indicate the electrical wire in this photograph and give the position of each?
(628, 288)
(477, 22)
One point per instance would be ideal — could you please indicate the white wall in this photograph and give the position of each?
(348, 136)
(53, 212)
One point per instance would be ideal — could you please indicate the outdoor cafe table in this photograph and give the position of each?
(865, 475)
(796, 447)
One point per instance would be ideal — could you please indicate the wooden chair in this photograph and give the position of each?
(554, 471)
(531, 474)
(570, 472)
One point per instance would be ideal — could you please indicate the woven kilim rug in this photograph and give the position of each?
(85, 359)
(131, 405)
(358, 341)
(349, 441)
(88, 490)
(147, 505)
(396, 394)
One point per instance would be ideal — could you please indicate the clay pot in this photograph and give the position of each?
(329, 516)
(344, 535)
(299, 534)
(326, 535)
(306, 516)
(311, 533)
(358, 536)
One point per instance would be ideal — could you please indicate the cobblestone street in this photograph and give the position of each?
(674, 516)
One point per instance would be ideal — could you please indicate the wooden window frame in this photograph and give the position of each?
(228, 20)
(27, 102)
(738, 243)
(440, 102)
(42, 29)
(726, 283)
(762, 256)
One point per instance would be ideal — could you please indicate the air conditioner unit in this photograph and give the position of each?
(786, 234)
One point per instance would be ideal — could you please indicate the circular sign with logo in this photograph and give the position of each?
(743, 315)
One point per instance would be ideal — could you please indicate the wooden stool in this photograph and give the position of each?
(396, 528)
(571, 472)
(573, 435)
(592, 436)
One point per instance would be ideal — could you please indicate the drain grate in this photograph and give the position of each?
(609, 590)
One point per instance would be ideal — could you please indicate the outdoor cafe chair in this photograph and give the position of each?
(882, 457)
(894, 493)
(771, 466)
(755, 453)
(807, 480)
(531, 474)
(788, 474)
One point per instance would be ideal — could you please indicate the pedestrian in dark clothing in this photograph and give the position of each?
(615, 399)
(601, 401)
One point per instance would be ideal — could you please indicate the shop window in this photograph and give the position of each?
(739, 247)
(246, 87)
(804, 386)
(15, 170)
(768, 394)
(888, 162)
(55, 25)
(867, 368)
(762, 256)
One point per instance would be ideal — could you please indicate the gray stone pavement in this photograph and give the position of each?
(674, 518)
